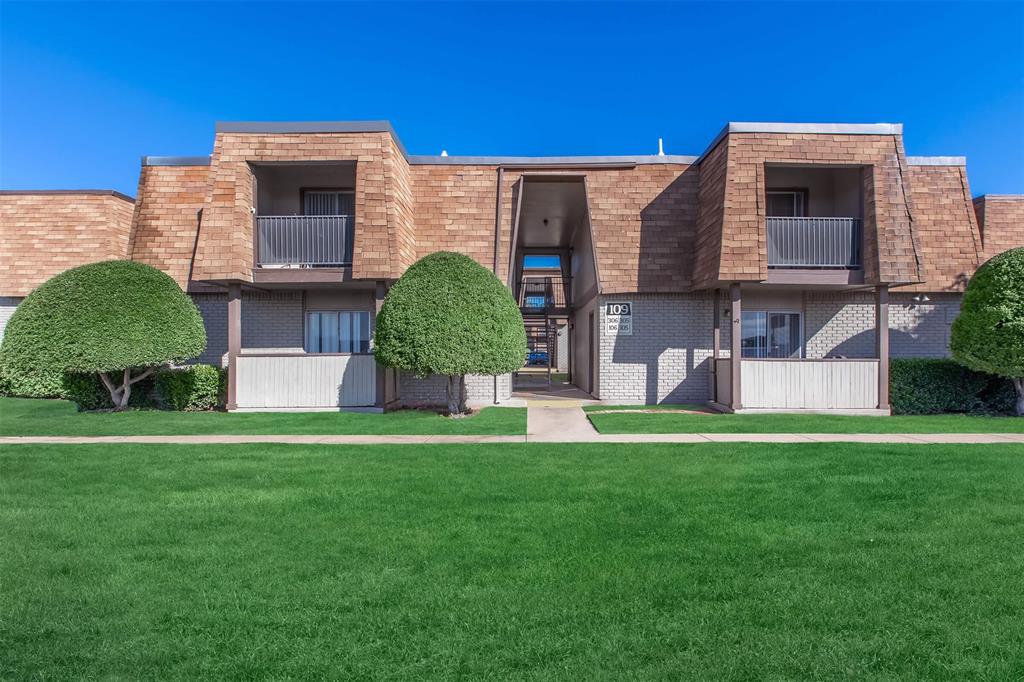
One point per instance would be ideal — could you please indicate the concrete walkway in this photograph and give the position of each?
(565, 423)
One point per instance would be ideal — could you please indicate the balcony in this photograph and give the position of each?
(814, 242)
(540, 292)
(312, 241)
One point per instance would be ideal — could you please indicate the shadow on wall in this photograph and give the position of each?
(668, 228)
(914, 331)
(667, 357)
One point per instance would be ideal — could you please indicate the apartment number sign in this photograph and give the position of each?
(618, 318)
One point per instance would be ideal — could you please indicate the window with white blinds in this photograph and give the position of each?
(338, 331)
(328, 202)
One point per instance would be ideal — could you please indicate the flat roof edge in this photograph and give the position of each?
(1000, 196)
(937, 160)
(548, 160)
(293, 127)
(175, 160)
(817, 128)
(98, 192)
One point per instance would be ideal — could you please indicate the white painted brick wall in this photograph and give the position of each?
(431, 391)
(839, 324)
(7, 306)
(269, 321)
(667, 358)
(921, 330)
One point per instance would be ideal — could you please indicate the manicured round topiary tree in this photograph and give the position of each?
(988, 335)
(119, 319)
(448, 315)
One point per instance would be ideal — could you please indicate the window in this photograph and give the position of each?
(335, 331)
(786, 203)
(770, 334)
(327, 202)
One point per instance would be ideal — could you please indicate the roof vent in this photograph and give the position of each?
(444, 152)
(661, 147)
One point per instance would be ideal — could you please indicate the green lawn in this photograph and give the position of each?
(624, 422)
(23, 417)
(712, 561)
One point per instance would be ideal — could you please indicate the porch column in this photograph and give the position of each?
(381, 373)
(716, 343)
(234, 341)
(735, 350)
(882, 344)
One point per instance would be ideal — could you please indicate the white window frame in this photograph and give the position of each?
(801, 348)
(314, 311)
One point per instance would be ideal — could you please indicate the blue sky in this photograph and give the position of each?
(86, 89)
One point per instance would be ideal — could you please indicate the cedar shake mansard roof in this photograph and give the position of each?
(658, 223)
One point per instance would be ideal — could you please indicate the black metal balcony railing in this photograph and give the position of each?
(544, 292)
(304, 241)
(814, 242)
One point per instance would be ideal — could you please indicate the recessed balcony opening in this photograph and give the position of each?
(814, 217)
(305, 214)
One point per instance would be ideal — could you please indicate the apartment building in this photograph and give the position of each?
(754, 276)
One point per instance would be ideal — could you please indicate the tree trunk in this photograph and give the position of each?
(1018, 384)
(120, 394)
(454, 392)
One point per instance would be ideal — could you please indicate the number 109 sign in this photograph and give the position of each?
(618, 318)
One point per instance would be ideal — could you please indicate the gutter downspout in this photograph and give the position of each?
(497, 241)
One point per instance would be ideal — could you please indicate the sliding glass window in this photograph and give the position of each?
(769, 334)
(337, 331)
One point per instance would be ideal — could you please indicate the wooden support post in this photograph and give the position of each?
(381, 373)
(716, 343)
(234, 341)
(882, 344)
(735, 346)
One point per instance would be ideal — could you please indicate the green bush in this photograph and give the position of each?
(448, 315)
(939, 386)
(87, 391)
(103, 317)
(191, 389)
(988, 335)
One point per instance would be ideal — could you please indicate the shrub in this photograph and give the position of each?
(194, 388)
(988, 335)
(448, 315)
(937, 386)
(113, 318)
(87, 391)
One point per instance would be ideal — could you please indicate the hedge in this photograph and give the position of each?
(88, 393)
(194, 388)
(939, 386)
(191, 389)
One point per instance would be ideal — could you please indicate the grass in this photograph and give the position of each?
(25, 417)
(512, 561)
(624, 422)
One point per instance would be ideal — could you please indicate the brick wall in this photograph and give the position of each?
(921, 330)
(166, 219)
(44, 234)
(1001, 217)
(431, 391)
(667, 358)
(270, 321)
